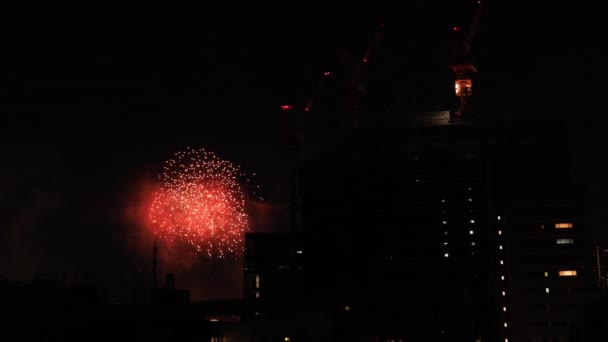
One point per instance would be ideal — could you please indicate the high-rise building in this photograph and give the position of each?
(437, 205)
(426, 227)
(432, 222)
(547, 250)
(600, 266)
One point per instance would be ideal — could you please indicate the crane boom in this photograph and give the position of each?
(463, 67)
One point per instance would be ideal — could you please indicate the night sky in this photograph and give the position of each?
(95, 96)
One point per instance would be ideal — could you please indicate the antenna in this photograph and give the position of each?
(154, 264)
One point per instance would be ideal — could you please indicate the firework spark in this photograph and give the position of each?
(200, 204)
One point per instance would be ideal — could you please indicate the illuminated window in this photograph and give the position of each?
(463, 87)
(500, 247)
(505, 324)
(506, 340)
(469, 189)
(445, 243)
(565, 241)
(502, 262)
(500, 232)
(470, 200)
(257, 281)
(442, 201)
(472, 243)
(547, 290)
(257, 294)
(563, 225)
(471, 232)
(502, 277)
(446, 255)
(504, 308)
(568, 273)
(347, 308)
(472, 221)
(542, 226)
(504, 293)
(546, 274)
(287, 339)
(499, 217)
(445, 222)
(299, 252)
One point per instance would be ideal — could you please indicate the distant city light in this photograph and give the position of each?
(286, 107)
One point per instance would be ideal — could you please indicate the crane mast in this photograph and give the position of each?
(463, 67)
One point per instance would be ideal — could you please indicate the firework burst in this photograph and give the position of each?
(201, 204)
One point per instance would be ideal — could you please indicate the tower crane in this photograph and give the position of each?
(462, 64)
(356, 88)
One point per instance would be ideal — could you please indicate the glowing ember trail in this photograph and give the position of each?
(200, 205)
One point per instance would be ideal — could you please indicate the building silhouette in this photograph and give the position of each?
(429, 224)
(429, 219)
(600, 266)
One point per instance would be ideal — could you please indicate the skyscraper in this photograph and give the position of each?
(446, 210)
(432, 220)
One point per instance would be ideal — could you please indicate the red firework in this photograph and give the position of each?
(200, 204)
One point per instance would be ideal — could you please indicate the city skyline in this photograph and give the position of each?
(104, 113)
(96, 102)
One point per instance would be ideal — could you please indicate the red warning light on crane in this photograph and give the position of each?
(456, 28)
(286, 107)
(327, 73)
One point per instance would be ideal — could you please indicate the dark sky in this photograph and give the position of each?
(96, 95)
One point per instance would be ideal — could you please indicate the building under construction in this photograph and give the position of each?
(429, 220)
